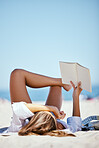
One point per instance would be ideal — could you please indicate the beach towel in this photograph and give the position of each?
(90, 123)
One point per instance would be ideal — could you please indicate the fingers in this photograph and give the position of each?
(62, 115)
(61, 112)
(79, 84)
(73, 85)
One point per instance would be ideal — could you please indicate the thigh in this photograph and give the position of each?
(55, 97)
(18, 91)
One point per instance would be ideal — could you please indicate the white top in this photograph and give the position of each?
(21, 114)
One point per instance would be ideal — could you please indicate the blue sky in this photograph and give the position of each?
(36, 34)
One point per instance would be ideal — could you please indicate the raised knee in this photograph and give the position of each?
(15, 72)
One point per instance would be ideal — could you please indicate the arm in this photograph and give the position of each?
(76, 93)
(36, 108)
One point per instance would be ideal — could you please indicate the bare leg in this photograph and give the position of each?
(20, 79)
(55, 97)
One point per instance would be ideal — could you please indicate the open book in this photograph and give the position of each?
(75, 72)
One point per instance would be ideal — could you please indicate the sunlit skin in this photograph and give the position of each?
(18, 93)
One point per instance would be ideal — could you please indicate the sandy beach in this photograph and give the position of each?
(83, 139)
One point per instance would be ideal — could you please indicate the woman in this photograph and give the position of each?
(37, 119)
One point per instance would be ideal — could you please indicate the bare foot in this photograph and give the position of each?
(67, 87)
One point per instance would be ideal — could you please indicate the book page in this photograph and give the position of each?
(84, 77)
(68, 72)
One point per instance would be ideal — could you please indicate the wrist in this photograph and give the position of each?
(75, 97)
(55, 111)
(52, 109)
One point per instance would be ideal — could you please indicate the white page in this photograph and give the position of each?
(84, 77)
(68, 72)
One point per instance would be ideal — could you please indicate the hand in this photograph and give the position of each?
(62, 115)
(77, 90)
(58, 115)
(67, 87)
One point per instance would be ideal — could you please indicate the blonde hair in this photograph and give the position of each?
(42, 123)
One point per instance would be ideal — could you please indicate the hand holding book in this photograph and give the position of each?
(77, 90)
(75, 72)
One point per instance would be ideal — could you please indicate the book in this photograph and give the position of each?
(75, 72)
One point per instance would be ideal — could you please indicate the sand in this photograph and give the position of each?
(83, 139)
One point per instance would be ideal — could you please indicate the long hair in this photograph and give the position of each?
(42, 123)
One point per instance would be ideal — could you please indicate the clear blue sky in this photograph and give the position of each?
(37, 34)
